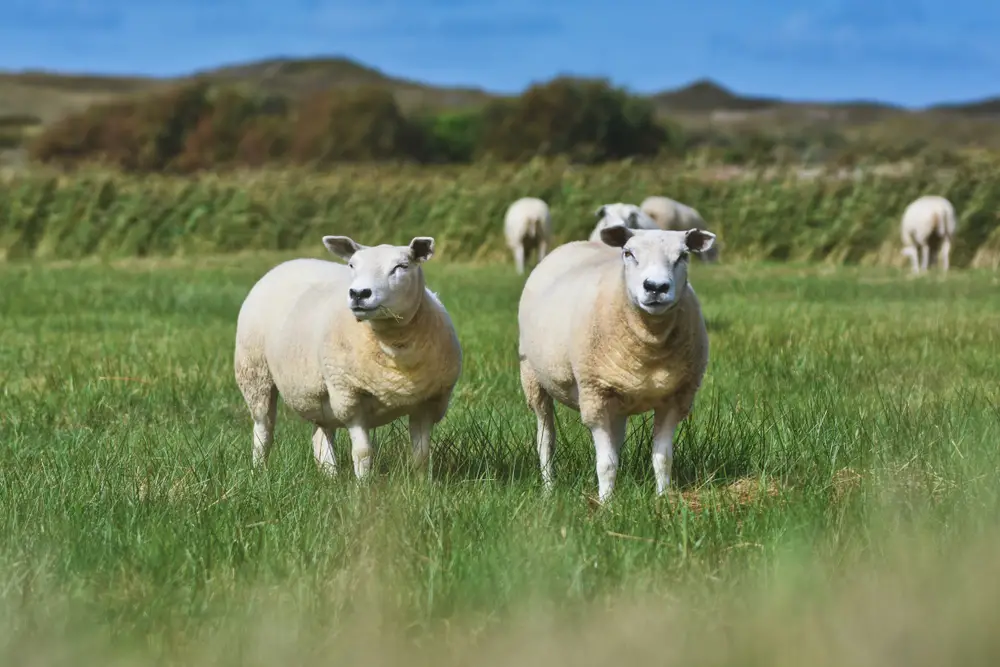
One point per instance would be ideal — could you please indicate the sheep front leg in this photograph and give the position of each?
(609, 434)
(322, 442)
(665, 423)
(361, 450)
(925, 256)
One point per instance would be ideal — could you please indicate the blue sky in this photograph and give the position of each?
(910, 52)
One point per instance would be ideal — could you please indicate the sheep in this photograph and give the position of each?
(610, 330)
(619, 213)
(353, 347)
(928, 219)
(671, 214)
(527, 226)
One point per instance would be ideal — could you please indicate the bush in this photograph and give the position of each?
(362, 124)
(585, 120)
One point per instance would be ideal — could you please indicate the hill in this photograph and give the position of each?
(32, 99)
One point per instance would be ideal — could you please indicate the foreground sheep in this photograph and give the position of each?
(613, 333)
(628, 215)
(353, 347)
(928, 219)
(671, 214)
(527, 226)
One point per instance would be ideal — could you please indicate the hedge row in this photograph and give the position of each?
(841, 221)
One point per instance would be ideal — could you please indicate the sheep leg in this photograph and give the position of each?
(420, 437)
(925, 256)
(665, 423)
(361, 450)
(541, 402)
(609, 434)
(911, 252)
(543, 248)
(264, 413)
(519, 258)
(943, 253)
(322, 441)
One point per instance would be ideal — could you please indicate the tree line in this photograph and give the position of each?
(200, 126)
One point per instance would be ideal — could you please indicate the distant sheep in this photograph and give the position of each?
(671, 214)
(629, 215)
(352, 347)
(527, 227)
(614, 329)
(928, 219)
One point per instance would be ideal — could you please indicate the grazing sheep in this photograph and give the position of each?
(928, 219)
(629, 215)
(671, 214)
(611, 330)
(527, 226)
(353, 347)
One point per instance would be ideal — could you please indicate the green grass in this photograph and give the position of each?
(836, 487)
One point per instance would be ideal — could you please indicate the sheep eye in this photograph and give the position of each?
(350, 265)
(628, 254)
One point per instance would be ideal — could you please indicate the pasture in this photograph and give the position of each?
(836, 486)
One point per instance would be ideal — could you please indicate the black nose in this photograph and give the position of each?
(358, 294)
(655, 288)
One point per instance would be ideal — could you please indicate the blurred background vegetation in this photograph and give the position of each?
(321, 112)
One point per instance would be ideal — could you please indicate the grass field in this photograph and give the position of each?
(836, 494)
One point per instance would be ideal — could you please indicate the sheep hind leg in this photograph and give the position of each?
(322, 441)
(925, 256)
(519, 258)
(261, 397)
(943, 253)
(541, 402)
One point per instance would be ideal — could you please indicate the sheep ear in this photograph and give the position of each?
(343, 247)
(698, 240)
(616, 235)
(422, 248)
(599, 213)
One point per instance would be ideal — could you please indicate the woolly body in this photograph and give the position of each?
(612, 341)
(672, 214)
(926, 220)
(527, 227)
(298, 336)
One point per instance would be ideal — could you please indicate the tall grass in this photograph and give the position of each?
(836, 493)
(760, 217)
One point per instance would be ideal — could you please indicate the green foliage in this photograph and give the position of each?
(452, 137)
(586, 121)
(765, 216)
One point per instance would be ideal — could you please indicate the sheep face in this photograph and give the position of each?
(655, 263)
(388, 281)
(629, 215)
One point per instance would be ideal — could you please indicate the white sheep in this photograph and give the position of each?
(629, 215)
(527, 227)
(614, 329)
(353, 347)
(671, 214)
(926, 219)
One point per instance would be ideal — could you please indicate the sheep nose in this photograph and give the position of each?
(655, 288)
(359, 294)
